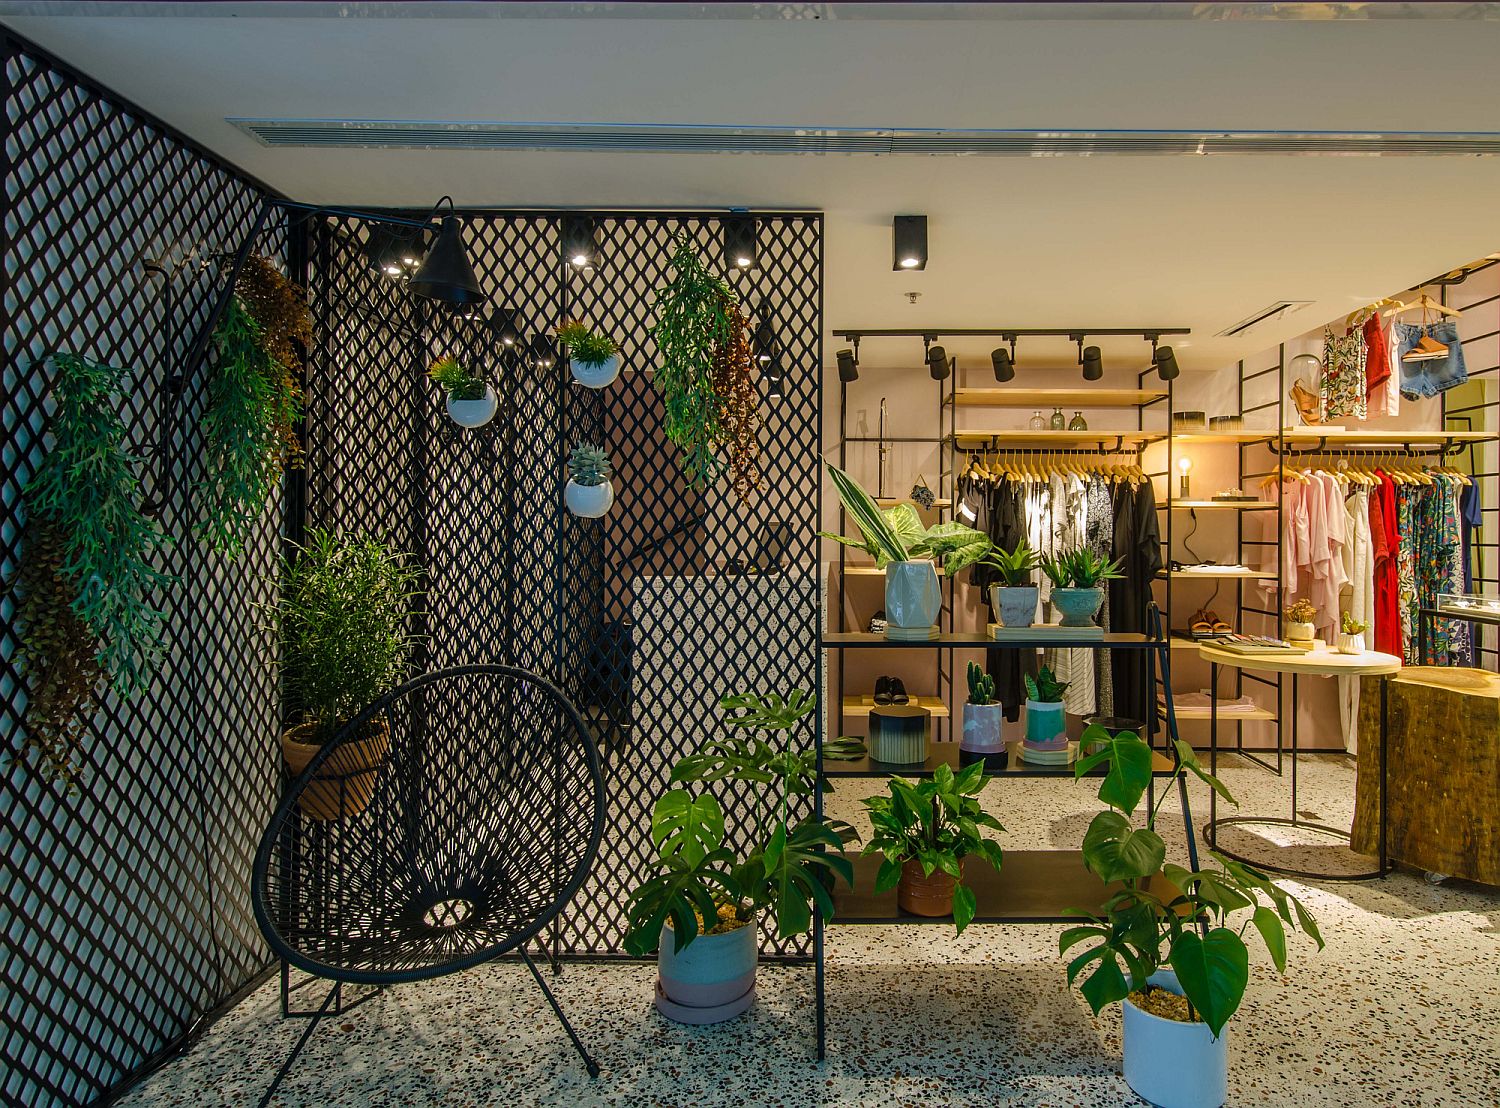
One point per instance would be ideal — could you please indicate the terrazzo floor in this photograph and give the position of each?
(1401, 1008)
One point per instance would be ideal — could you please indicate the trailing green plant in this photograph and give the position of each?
(588, 465)
(253, 404)
(897, 534)
(456, 380)
(1080, 568)
(981, 686)
(1014, 567)
(1184, 922)
(585, 346)
(1351, 626)
(1302, 611)
(341, 626)
(789, 864)
(1045, 688)
(934, 822)
(87, 488)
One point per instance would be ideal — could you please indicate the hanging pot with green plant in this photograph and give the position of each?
(593, 358)
(471, 399)
(589, 493)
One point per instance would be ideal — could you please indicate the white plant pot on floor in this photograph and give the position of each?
(1172, 1064)
(595, 376)
(588, 501)
(474, 413)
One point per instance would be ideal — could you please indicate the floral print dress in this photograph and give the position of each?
(1406, 570)
(1342, 383)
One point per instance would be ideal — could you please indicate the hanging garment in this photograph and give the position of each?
(1005, 507)
(1387, 398)
(1325, 568)
(1342, 382)
(1359, 601)
(1406, 571)
(1437, 568)
(1470, 514)
(1099, 533)
(1377, 362)
(1069, 528)
(1137, 543)
(1420, 380)
(1385, 545)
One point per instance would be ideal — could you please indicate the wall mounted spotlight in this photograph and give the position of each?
(937, 363)
(909, 235)
(1166, 362)
(543, 352)
(1093, 364)
(739, 236)
(580, 242)
(389, 254)
(1004, 361)
(445, 273)
(503, 323)
(848, 366)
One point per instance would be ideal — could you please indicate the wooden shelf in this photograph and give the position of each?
(1057, 398)
(892, 501)
(1222, 436)
(948, 754)
(1304, 435)
(863, 571)
(1256, 714)
(844, 640)
(858, 706)
(1014, 437)
(1216, 575)
(1222, 505)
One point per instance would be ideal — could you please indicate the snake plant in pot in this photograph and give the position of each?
(907, 550)
(1014, 599)
(471, 399)
(588, 493)
(709, 882)
(1170, 944)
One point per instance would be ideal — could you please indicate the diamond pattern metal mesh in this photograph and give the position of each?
(127, 913)
(632, 615)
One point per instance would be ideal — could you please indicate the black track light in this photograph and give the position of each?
(1004, 363)
(739, 236)
(1093, 364)
(543, 352)
(503, 323)
(386, 252)
(909, 234)
(580, 242)
(848, 367)
(937, 363)
(1166, 363)
(445, 273)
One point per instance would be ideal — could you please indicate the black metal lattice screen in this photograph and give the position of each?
(636, 615)
(126, 908)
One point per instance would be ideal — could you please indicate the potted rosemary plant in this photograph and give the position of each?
(925, 830)
(471, 399)
(593, 358)
(1078, 578)
(699, 905)
(1014, 599)
(983, 718)
(1163, 944)
(589, 493)
(340, 624)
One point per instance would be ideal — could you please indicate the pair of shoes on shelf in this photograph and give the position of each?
(1208, 623)
(890, 690)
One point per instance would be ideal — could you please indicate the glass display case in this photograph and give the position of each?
(1468, 605)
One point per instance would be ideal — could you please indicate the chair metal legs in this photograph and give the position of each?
(301, 1042)
(588, 1063)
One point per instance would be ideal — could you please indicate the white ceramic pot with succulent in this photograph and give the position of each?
(471, 400)
(984, 716)
(593, 358)
(589, 493)
(1351, 635)
(1014, 599)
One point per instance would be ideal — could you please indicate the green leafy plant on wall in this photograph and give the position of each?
(249, 423)
(898, 534)
(456, 380)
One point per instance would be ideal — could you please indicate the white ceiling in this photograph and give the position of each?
(1022, 242)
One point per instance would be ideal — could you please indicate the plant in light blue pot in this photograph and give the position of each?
(1078, 578)
(1046, 725)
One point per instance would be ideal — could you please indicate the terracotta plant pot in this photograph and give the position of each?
(345, 783)
(710, 980)
(925, 896)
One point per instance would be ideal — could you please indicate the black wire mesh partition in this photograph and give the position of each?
(127, 912)
(639, 616)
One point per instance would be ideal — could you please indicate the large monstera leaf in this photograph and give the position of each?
(686, 826)
(1115, 850)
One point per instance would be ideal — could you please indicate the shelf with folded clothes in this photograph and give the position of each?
(1194, 706)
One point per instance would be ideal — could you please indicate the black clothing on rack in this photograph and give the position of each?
(1002, 517)
(1137, 543)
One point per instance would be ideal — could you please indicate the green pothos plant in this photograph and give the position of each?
(788, 863)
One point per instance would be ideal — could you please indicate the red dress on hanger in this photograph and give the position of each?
(1377, 360)
(1386, 541)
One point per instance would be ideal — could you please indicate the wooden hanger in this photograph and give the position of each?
(1426, 303)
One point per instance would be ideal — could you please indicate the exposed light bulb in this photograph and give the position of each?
(1184, 463)
(742, 261)
(580, 260)
(910, 263)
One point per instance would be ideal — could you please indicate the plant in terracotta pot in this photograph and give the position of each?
(588, 493)
(593, 358)
(1046, 723)
(699, 904)
(1298, 626)
(907, 549)
(1078, 578)
(983, 716)
(1163, 944)
(1014, 599)
(925, 830)
(340, 625)
(471, 399)
(1351, 634)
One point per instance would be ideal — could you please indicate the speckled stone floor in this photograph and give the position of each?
(1401, 1008)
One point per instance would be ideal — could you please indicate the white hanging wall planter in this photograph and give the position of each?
(597, 375)
(474, 413)
(589, 501)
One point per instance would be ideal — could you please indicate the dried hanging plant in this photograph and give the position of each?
(739, 405)
(279, 307)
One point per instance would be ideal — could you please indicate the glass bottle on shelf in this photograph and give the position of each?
(1078, 423)
(1038, 421)
(1059, 421)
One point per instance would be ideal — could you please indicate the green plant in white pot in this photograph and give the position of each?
(1163, 944)
(1014, 599)
(593, 358)
(907, 550)
(1078, 578)
(589, 493)
(471, 399)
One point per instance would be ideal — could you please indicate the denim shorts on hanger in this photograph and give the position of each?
(1420, 380)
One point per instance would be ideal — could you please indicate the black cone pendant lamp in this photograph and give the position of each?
(445, 273)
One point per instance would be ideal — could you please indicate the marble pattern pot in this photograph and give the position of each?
(1014, 605)
(922, 895)
(1077, 606)
(595, 376)
(983, 725)
(1045, 720)
(474, 413)
(912, 597)
(710, 979)
(1173, 1064)
(588, 501)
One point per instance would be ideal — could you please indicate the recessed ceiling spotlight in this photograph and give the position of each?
(739, 241)
(909, 237)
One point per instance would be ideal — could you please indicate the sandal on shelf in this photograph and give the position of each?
(1219, 626)
(1200, 624)
(898, 691)
(883, 691)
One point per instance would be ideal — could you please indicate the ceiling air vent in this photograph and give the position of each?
(1279, 310)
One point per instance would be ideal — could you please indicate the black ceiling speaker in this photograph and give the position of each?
(739, 235)
(580, 242)
(848, 367)
(1093, 364)
(909, 233)
(503, 323)
(937, 363)
(1005, 366)
(1166, 363)
(445, 273)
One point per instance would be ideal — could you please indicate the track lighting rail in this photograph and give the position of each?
(932, 334)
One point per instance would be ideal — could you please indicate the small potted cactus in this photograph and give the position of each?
(589, 493)
(1298, 627)
(471, 400)
(593, 358)
(1351, 634)
(983, 718)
